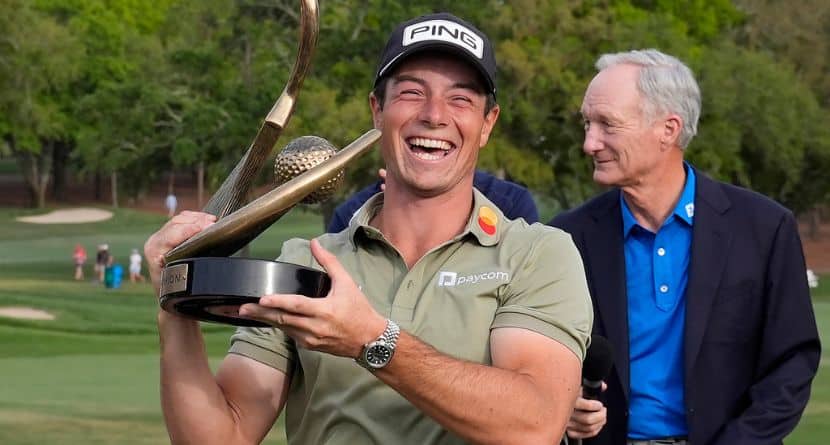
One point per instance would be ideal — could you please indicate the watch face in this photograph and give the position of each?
(378, 355)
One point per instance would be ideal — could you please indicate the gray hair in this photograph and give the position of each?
(667, 85)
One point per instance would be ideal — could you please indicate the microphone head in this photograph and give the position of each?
(598, 359)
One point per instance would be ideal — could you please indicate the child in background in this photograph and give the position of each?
(79, 256)
(135, 267)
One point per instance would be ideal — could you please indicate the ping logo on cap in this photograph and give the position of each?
(487, 220)
(445, 31)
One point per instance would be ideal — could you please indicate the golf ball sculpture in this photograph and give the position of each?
(200, 278)
(299, 156)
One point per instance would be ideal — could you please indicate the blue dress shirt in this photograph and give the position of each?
(657, 270)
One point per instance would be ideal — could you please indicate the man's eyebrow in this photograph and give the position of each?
(407, 78)
(468, 86)
(600, 113)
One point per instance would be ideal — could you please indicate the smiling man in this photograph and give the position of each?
(446, 323)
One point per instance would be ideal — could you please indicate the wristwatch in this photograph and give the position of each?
(377, 354)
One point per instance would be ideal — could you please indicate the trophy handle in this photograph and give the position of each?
(233, 193)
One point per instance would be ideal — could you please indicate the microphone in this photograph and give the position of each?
(595, 368)
(597, 365)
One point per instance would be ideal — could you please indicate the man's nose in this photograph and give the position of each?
(592, 142)
(434, 113)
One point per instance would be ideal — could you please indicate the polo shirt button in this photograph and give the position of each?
(661, 251)
(664, 288)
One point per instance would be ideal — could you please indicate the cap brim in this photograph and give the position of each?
(438, 47)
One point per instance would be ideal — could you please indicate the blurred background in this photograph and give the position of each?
(112, 105)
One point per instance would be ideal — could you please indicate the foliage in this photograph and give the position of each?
(763, 128)
(143, 88)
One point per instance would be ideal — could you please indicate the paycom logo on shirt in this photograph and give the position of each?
(449, 279)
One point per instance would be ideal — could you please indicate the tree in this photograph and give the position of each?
(39, 61)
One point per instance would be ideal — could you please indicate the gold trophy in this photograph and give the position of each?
(199, 279)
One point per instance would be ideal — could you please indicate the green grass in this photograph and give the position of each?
(91, 375)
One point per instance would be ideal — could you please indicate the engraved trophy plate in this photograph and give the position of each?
(173, 279)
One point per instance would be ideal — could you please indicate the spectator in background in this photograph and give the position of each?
(79, 257)
(113, 273)
(135, 267)
(699, 285)
(170, 202)
(101, 260)
(512, 199)
(812, 279)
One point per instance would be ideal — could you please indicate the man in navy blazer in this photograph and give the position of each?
(700, 286)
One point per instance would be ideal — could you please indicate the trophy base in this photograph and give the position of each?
(213, 288)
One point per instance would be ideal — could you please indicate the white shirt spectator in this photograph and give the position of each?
(171, 203)
(812, 279)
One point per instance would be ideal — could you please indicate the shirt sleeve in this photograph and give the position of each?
(270, 345)
(549, 293)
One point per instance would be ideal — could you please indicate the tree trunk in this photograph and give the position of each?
(171, 182)
(98, 186)
(60, 166)
(114, 186)
(36, 169)
(200, 183)
(246, 61)
(814, 232)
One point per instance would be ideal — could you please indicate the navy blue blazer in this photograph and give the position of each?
(512, 199)
(751, 346)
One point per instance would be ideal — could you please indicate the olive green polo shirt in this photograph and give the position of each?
(497, 273)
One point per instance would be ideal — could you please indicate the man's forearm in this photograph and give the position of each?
(483, 404)
(195, 410)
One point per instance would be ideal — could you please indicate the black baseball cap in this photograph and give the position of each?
(444, 32)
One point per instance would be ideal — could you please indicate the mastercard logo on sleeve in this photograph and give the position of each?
(487, 220)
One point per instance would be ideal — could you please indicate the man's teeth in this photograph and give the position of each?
(430, 156)
(431, 143)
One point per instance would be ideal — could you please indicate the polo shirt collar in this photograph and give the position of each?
(684, 210)
(359, 224)
(486, 222)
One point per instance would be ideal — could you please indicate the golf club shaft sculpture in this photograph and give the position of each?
(198, 280)
(237, 225)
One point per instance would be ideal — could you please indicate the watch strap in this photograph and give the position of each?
(390, 334)
(389, 337)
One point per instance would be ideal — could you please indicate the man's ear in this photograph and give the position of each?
(489, 122)
(377, 110)
(670, 133)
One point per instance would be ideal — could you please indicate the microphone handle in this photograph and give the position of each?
(592, 389)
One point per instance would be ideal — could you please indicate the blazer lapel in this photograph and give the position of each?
(710, 239)
(607, 280)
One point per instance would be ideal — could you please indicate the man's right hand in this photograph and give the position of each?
(176, 231)
(587, 419)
